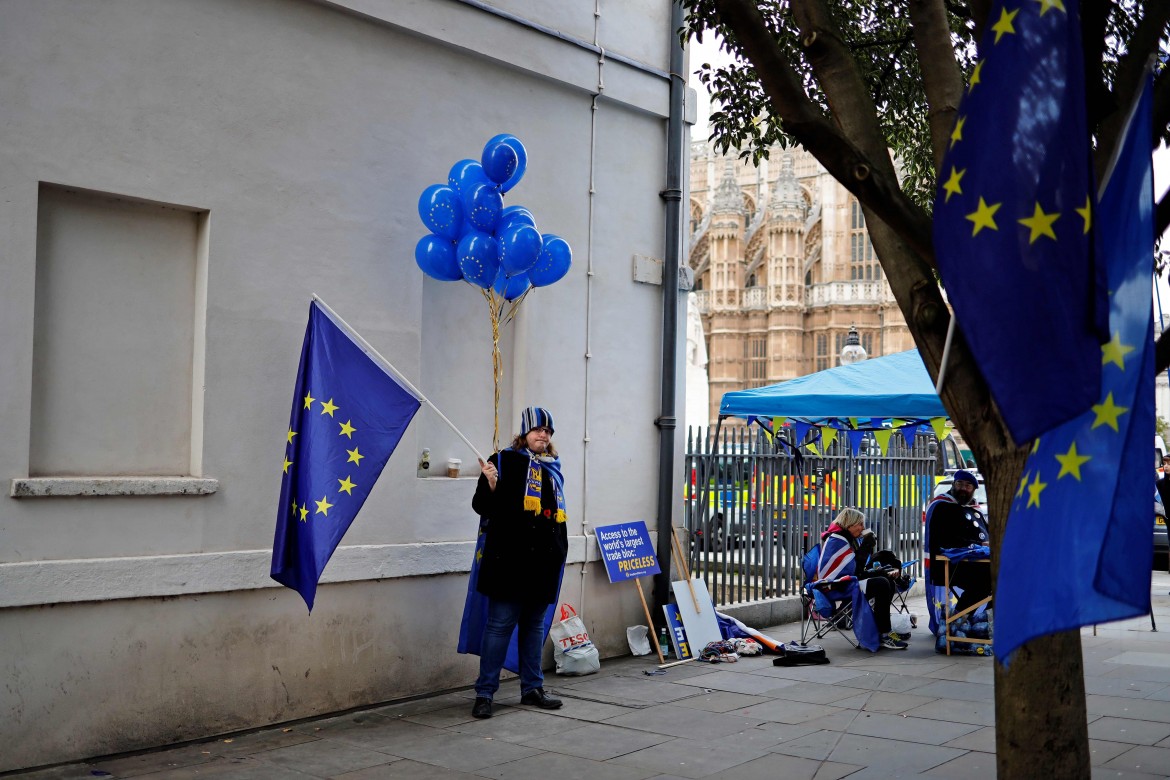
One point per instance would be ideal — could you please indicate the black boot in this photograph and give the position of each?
(482, 707)
(541, 699)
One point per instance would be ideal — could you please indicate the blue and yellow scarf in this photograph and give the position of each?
(536, 465)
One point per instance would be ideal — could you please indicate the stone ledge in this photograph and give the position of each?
(53, 487)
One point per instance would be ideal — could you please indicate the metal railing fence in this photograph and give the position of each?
(751, 511)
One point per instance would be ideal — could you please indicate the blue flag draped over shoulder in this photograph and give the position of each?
(475, 604)
(348, 415)
(1077, 548)
(1013, 218)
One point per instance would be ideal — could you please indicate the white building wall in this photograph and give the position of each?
(301, 134)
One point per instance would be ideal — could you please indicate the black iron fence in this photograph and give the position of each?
(752, 509)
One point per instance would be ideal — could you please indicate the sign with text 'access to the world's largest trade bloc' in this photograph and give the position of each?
(626, 550)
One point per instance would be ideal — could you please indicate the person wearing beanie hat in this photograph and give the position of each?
(520, 499)
(955, 520)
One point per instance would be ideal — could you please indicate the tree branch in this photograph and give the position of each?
(1099, 100)
(942, 80)
(1130, 71)
(1162, 353)
(870, 44)
(980, 10)
(880, 87)
(1161, 105)
(867, 175)
(1162, 215)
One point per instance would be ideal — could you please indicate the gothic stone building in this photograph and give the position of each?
(783, 268)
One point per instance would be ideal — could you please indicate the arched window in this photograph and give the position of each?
(863, 264)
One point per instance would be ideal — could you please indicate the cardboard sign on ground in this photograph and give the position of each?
(701, 626)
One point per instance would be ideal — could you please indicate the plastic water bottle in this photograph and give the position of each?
(664, 643)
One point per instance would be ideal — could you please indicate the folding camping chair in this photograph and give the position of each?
(902, 587)
(832, 611)
(902, 590)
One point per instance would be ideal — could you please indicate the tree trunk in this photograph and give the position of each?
(1040, 724)
(1041, 729)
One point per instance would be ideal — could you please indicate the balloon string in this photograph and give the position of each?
(516, 305)
(495, 304)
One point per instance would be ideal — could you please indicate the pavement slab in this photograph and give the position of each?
(463, 752)
(720, 701)
(564, 767)
(1127, 707)
(783, 711)
(981, 739)
(1134, 732)
(516, 725)
(683, 722)
(324, 758)
(930, 732)
(980, 713)
(737, 683)
(687, 758)
(775, 766)
(1151, 760)
(598, 741)
(406, 770)
(971, 766)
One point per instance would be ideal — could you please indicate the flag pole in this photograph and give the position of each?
(386, 364)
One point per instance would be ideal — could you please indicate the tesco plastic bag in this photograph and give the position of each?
(573, 651)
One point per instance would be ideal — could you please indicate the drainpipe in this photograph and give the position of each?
(667, 422)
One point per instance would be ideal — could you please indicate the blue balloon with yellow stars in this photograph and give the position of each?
(514, 215)
(513, 143)
(482, 204)
(441, 210)
(435, 257)
(511, 288)
(464, 174)
(478, 256)
(553, 263)
(499, 161)
(520, 246)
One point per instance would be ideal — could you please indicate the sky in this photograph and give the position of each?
(708, 51)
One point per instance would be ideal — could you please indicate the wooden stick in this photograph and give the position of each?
(649, 622)
(676, 548)
(677, 663)
(686, 572)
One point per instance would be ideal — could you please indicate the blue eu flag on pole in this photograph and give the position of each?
(1078, 544)
(348, 415)
(1013, 218)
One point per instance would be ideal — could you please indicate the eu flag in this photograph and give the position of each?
(1077, 548)
(348, 415)
(1013, 215)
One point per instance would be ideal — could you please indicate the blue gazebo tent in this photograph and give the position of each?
(879, 389)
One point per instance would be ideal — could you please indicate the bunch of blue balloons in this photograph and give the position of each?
(476, 238)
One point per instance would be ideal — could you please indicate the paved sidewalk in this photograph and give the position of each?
(893, 714)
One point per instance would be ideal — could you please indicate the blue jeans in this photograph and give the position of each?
(502, 618)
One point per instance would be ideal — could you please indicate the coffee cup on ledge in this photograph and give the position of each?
(453, 466)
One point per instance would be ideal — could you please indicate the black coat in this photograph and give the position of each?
(524, 551)
(953, 525)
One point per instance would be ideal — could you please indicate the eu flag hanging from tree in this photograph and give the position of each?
(1013, 215)
(1077, 548)
(348, 415)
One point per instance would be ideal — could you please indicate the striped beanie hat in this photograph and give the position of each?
(535, 417)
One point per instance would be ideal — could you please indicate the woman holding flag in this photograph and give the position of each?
(521, 500)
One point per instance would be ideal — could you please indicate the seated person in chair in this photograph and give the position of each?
(843, 553)
(952, 521)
